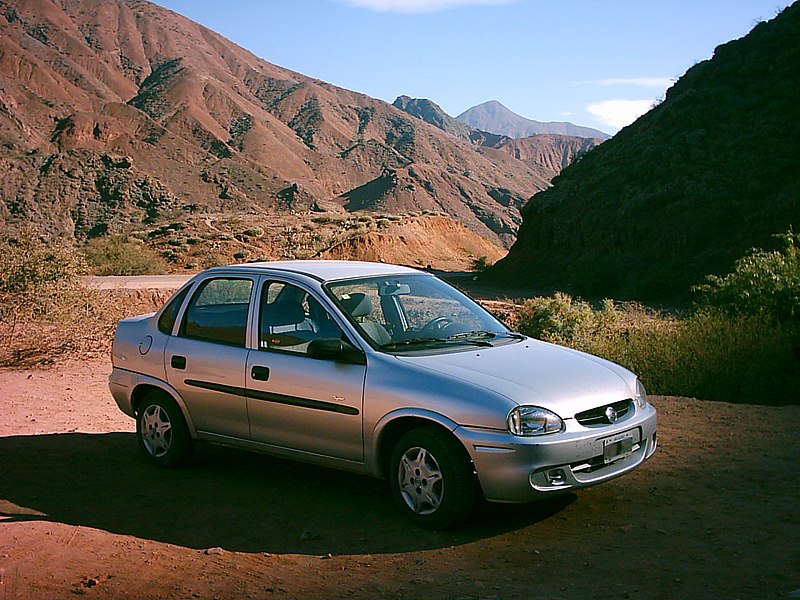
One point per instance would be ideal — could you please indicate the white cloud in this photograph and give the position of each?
(659, 82)
(418, 6)
(619, 113)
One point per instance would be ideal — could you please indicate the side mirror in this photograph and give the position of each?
(336, 350)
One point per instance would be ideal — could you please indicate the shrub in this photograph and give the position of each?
(46, 313)
(710, 354)
(120, 255)
(714, 355)
(480, 264)
(762, 283)
(561, 319)
(29, 262)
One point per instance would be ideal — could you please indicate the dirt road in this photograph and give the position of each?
(713, 515)
(136, 282)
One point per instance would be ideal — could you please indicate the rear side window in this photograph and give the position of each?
(218, 311)
(166, 322)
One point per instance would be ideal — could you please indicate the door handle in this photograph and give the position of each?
(260, 373)
(178, 362)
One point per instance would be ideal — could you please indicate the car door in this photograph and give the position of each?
(295, 401)
(205, 361)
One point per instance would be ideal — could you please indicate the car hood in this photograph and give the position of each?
(534, 372)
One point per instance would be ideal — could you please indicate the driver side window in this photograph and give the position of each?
(290, 318)
(367, 309)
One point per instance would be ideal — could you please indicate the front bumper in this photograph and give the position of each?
(520, 469)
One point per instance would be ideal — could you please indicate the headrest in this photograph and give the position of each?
(285, 312)
(358, 304)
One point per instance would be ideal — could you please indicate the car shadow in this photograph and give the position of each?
(225, 498)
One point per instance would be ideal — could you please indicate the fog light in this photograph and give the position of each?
(556, 477)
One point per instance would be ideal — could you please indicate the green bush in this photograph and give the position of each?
(120, 255)
(762, 283)
(564, 320)
(480, 264)
(713, 355)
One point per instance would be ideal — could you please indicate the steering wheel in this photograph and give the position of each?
(436, 324)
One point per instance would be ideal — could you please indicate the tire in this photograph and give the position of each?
(432, 478)
(161, 431)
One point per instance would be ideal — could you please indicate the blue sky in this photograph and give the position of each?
(596, 63)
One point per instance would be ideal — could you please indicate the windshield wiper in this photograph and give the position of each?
(459, 338)
(477, 338)
(411, 342)
(515, 335)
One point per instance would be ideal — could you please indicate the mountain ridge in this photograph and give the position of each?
(492, 116)
(685, 190)
(547, 154)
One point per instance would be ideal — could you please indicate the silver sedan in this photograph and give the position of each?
(381, 370)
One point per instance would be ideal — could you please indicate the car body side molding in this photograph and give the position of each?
(272, 397)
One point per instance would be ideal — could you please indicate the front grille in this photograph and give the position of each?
(597, 416)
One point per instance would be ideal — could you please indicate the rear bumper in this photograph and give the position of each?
(121, 383)
(517, 469)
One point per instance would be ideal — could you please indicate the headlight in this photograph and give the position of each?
(533, 420)
(641, 395)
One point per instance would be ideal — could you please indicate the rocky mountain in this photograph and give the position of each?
(493, 117)
(432, 113)
(686, 189)
(119, 113)
(546, 154)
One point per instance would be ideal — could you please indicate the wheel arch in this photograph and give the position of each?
(143, 388)
(393, 426)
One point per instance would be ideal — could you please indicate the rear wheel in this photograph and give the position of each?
(432, 478)
(161, 431)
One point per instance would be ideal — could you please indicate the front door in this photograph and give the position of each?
(295, 401)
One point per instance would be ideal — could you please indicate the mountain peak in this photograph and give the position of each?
(493, 116)
(432, 113)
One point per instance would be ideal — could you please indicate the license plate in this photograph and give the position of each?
(617, 447)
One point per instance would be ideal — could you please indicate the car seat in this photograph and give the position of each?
(359, 306)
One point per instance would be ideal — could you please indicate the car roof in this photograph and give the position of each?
(321, 270)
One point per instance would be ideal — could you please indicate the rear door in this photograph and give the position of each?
(206, 361)
(295, 401)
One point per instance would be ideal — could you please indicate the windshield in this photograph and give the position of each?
(402, 313)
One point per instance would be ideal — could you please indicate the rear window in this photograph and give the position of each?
(166, 322)
(218, 310)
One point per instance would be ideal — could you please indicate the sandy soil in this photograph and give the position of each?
(713, 515)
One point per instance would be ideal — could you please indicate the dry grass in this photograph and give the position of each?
(75, 323)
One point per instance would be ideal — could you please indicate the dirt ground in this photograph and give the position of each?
(714, 514)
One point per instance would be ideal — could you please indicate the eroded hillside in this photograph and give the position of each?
(118, 113)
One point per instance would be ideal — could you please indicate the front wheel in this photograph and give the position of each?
(432, 478)
(161, 431)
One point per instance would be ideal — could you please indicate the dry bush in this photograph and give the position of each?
(78, 324)
(121, 255)
(47, 314)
